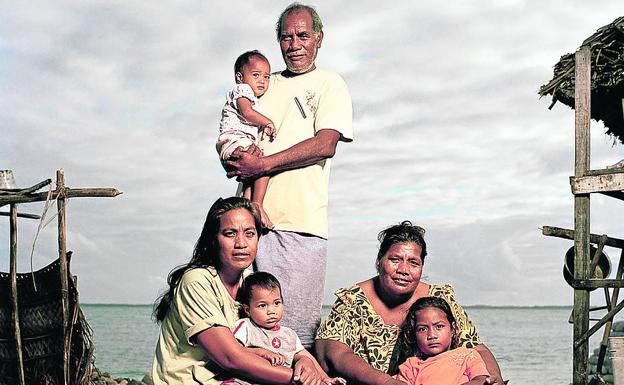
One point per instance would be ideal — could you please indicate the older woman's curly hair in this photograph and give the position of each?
(404, 232)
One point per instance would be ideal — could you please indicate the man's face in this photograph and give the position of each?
(298, 42)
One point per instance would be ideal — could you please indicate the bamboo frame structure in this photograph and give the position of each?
(609, 182)
(13, 197)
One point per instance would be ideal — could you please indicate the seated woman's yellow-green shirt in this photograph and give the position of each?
(355, 323)
(199, 302)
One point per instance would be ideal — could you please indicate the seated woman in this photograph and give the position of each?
(196, 313)
(357, 340)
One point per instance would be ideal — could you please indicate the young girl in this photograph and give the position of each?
(241, 120)
(261, 297)
(430, 335)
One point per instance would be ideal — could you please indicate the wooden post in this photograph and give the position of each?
(582, 91)
(13, 275)
(62, 243)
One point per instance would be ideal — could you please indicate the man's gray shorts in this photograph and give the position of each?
(298, 261)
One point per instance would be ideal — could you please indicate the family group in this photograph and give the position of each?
(222, 324)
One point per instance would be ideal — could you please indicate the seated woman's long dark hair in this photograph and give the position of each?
(206, 249)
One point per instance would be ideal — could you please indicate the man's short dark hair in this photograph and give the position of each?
(317, 24)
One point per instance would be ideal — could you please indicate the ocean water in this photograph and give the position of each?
(531, 344)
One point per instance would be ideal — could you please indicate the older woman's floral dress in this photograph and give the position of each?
(355, 323)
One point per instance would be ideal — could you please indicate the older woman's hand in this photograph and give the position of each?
(394, 381)
(306, 372)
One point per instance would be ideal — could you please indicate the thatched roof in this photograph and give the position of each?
(607, 78)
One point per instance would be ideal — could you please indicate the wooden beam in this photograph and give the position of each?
(594, 283)
(62, 245)
(582, 114)
(20, 215)
(15, 314)
(69, 193)
(603, 171)
(569, 234)
(583, 338)
(597, 183)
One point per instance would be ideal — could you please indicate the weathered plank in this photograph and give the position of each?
(69, 193)
(597, 183)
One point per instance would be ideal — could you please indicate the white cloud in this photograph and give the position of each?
(449, 133)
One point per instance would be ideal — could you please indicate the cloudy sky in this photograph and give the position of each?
(450, 133)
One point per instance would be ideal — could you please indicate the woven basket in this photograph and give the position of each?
(41, 327)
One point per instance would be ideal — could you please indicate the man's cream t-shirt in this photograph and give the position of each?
(300, 106)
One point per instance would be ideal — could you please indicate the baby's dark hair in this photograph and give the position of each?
(260, 279)
(244, 59)
(407, 344)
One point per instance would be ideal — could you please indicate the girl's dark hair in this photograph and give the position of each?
(406, 342)
(244, 58)
(206, 252)
(402, 233)
(258, 279)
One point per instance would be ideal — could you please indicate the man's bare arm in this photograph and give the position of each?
(246, 165)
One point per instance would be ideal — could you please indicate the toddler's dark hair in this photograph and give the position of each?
(260, 279)
(408, 347)
(244, 58)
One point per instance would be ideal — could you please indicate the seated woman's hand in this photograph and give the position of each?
(275, 359)
(305, 372)
(334, 381)
(394, 381)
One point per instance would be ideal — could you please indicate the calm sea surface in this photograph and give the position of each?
(531, 344)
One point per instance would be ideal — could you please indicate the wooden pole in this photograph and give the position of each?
(611, 303)
(582, 103)
(69, 193)
(569, 234)
(62, 243)
(13, 274)
(20, 215)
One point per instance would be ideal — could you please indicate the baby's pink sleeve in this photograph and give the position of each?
(242, 90)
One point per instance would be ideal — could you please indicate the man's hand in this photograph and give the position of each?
(245, 164)
(306, 373)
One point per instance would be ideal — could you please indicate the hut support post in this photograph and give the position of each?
(581, 213)
(13, 274)
(612, 301)
(62, 243)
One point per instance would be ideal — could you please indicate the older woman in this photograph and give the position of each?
(196, 345)
(357, 340)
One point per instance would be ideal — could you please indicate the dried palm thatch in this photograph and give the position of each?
(41, 323)
(607, 79)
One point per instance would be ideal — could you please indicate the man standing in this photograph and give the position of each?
(311, 109)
